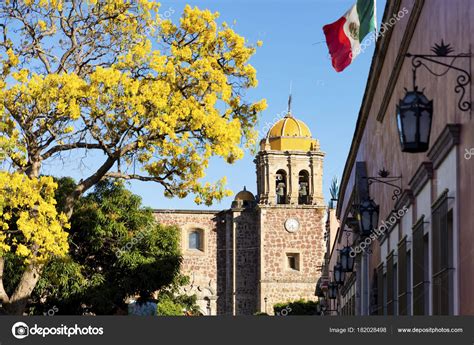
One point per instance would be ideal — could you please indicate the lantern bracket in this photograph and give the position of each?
(348, 234)
(443, 51)
(385, 178)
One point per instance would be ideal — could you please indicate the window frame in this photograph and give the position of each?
(298, 263)
(186, 240)
(443, 255)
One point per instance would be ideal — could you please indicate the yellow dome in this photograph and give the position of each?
(290, 134)
(244, 195)
(289, 127)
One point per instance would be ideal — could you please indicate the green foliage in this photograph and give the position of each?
(174, 304)
(116, 250)
(14, 268)
(300, 307)
(260, 314)
(333, 191)
(66, 186)
(168, 307)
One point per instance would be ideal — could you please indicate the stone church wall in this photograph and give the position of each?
(279, 283)
(200, 266)
(247, 261)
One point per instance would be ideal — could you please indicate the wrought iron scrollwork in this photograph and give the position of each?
(443, 51)
(385, 178)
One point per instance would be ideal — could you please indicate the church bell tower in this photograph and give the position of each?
(289, 165)
(291, 207)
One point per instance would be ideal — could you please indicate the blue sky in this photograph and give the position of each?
(293, 51)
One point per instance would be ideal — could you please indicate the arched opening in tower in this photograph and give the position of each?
(303, 187)
(281, 186)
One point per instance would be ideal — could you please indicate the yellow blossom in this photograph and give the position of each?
(42, 24)
(166, 95)
(38, 231)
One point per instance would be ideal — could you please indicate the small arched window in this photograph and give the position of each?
(281, 186)
(196, 240)
(303, 187)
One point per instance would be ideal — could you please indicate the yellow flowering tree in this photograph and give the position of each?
(155, 99)
(30, 228)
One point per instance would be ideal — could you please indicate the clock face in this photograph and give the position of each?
(292, 225)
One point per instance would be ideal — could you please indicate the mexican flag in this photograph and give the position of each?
(344, 36)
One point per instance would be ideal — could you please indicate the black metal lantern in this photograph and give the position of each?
(321, 306)
(368, 216)
(414, 115)
(347, 261)
(339, 274)
(319, 289)
(332, 290)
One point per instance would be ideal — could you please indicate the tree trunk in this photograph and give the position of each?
(3, 294)
(15, 305)
(33, 170)
(86, 184)
(17, 302)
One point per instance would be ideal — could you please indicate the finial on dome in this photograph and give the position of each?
(288, 114)
(245, 189)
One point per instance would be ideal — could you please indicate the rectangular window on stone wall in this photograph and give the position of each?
(293, 261)
(196, 239)
(419, 282)
(442, 252)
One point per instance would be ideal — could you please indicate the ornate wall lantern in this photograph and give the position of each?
(368, 216)
(332, 290)
(339, 274)
(415, 111)
(414, 115)
(319, 289)
(347, 262)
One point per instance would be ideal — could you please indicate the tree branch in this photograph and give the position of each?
(88, 183)
(135, 177)
(66, 147)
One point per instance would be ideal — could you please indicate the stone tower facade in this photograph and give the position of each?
(291, 207)
(267, 248)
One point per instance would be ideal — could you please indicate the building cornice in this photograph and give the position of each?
(290, 153)
(442, 198)
(449, 137)
(157, 211)
(291, 207)
(422, 175)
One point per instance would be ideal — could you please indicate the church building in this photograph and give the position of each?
(267, 247)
